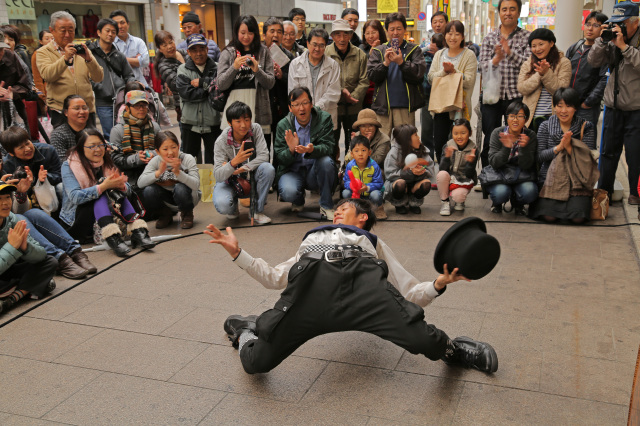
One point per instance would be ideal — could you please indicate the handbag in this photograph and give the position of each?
(241, 186)
(207, 182)
(446, 94)
(599, 204)
(491, 86)
(217, 97)
(507, 175)
(46, 196)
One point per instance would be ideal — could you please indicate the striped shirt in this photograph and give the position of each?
(544, 104)
(510, 66)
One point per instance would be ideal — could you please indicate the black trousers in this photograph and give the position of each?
(31, 277)
(191, 142)
(621, 129)
(326, 297)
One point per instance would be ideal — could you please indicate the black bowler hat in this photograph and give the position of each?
(468, 247)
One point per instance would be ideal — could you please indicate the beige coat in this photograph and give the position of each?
(353, 76)
(531, 86)
(61, 82)
(468, 66)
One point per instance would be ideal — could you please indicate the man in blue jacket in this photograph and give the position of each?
(191, 25)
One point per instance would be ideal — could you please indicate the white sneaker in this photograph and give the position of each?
(260, 218)
(297, 208)
(477, 188)
(327, 212)
(234, 216)
(445, 209)
(459, 207)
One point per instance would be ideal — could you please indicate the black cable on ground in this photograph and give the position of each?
(48, 299)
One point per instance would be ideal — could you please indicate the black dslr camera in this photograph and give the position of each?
(608, 34)
(19, 173)
(79, 49)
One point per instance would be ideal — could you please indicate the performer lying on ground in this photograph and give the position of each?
(344, 278)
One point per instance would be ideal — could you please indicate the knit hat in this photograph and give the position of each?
(196, 40)
(135, 96)
(366, 116)
(340, 25)
(542, 34)
(190, 17)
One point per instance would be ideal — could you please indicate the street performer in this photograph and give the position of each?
(344, 278)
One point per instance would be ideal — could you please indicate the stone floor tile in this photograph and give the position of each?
(623, 289)
(219, 368)
(548, 282)
(627, 343)
(60, 307)
(588, 310)
(133, 354)
(42, 340)
(386, 394)
(201, 325)
(32, 388)
(124, 313)
(620, 249)
(353, 347)
(593, 265)
(114, 399)
(587, 378)
(27, 421)
(132, 284)
(242, 409)
(494, 405)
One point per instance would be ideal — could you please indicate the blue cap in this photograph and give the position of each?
(623, 11)
(196, 40)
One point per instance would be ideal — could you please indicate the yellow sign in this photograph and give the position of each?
(387, 6)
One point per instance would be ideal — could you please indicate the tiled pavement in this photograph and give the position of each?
(142, 342)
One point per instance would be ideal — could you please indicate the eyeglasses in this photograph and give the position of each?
(95, 147)
(512, 117)
(318, 46)
(300, 104)
(594, 26)
(140, 105)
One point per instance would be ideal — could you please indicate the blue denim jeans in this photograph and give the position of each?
(105, 114)
(322, 176)
(49, 233)
(225, 199)
(522, 193)
(375, 197)
(156, 196)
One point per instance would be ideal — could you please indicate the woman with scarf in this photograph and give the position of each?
(90, 181)
(134, 140)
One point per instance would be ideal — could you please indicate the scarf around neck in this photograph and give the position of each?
(80, 173)
(138, 134)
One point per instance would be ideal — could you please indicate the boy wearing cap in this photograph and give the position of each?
(344, 278)
(194, 81)
(25, 267)
(621, 122)
(191, 25)
(353, 78)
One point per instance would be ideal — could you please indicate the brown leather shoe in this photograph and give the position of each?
(186, 219)
(68, 268)
(81, 259)
(634, 200)
(165, 219)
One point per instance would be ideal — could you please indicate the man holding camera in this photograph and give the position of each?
(68, 69)
(618, 47)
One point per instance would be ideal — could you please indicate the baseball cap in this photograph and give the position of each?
(6, 188)
(196, 40)
(135, 96)
(623, 11)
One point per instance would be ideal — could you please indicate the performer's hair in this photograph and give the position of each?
(361, 206)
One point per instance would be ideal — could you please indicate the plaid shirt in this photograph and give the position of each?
(510, 66)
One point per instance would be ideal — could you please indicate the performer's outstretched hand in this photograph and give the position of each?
(446, 278)
(229, 241)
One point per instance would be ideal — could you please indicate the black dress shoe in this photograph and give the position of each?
(402, 209)
(473, 354)
(235, 324)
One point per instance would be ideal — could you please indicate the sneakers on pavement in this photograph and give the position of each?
(445, 209)
(459, 207)
(470, 353)
(477, 188)
(328, 213)
(234, 215)
(236, 324)
(260, 218)
(496, 209)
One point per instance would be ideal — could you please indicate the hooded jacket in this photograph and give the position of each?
(196, 108)
(116, 70)
(413, 68)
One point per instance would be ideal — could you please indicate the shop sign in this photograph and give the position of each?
(387, 6)
(328, 17)
(21, 9)
(422, 26)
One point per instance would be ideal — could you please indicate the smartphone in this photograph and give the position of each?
(248, 144)
(395, 44)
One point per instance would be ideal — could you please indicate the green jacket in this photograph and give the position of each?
(321, 138)
(353, 76)
(9, 254)
(196, 108)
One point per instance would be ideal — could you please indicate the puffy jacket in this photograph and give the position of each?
(44, 155)
(321, 138)
(327, 93)
(353, 76)
(380, 146)
(9, 255)
(370, 176)
(167, 69)
(392, 170)
(588, 80)
(457, 164)
(117, 72)
(413, 69)
(196, 108)
(264, 79)
(61, 82)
